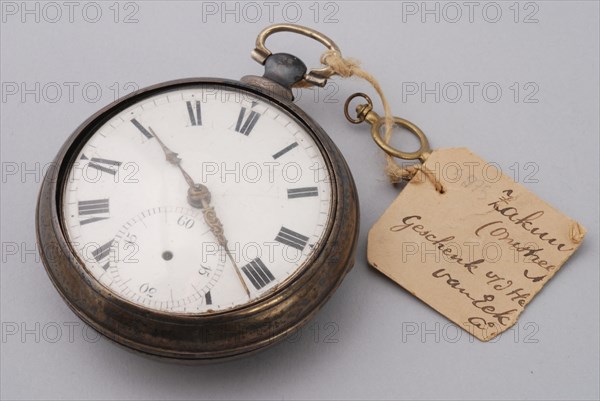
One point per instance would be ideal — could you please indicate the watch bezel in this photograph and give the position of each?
(86, 132)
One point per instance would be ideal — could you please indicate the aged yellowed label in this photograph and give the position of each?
(477, 253)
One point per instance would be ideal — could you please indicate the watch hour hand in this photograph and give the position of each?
(173, 158)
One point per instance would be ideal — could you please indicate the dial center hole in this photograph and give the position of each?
(167, 255)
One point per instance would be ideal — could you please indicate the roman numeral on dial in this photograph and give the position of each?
(258, 274)
(285, 150)
(245, 126)
(142, 129)
(105, 165)
(96, 209)
(302, 192)
(102, 253)
(291, 238)
(194, 112)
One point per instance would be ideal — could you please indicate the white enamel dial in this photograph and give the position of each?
(264, 209)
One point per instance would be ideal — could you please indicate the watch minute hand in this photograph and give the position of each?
(200, 195)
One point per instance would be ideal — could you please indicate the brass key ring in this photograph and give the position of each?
(316, 76)
(365, 113)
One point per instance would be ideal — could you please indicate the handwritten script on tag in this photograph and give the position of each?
(477, 253)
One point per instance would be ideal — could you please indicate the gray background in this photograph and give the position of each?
(360, 345)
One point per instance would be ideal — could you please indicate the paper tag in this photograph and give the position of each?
(477, 253)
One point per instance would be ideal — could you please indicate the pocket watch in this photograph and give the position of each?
(202, 218)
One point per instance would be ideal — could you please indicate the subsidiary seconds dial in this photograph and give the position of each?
(183, 275)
